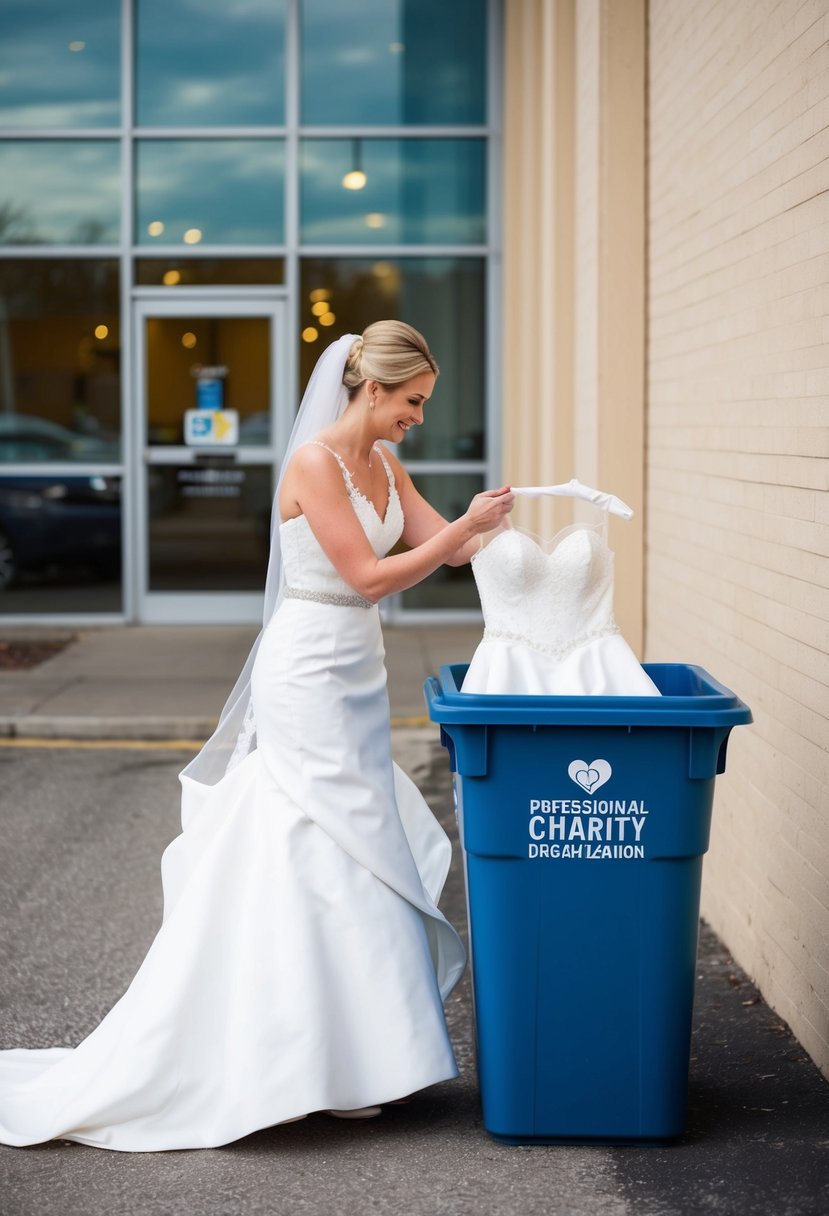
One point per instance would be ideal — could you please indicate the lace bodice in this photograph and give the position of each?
(553, 598)
(306, 566)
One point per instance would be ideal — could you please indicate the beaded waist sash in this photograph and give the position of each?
(552, 650)
(328, 597)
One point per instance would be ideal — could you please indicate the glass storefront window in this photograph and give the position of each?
(442, 297)
(210, 63)
(207, 272)
(209, 527)
(60, 192)
(393, 191)
(60, 352)
(393, 61)
(385, 134)
(177, 347)
(60, 544)
(60, 64)
(209, 191)
(449, 586)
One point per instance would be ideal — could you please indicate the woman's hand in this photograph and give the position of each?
(487, 510)
(313, 486)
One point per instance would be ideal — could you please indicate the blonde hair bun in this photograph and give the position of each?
(389, 352)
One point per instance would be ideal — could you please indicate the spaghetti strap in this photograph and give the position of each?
(389, 473)
(356, 495)
(345, 472)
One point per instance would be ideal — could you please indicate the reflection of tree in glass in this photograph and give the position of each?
(89, 232)
(17, 226)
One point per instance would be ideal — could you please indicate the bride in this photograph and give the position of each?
(302, 962)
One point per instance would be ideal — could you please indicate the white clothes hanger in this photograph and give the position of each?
(575, 489)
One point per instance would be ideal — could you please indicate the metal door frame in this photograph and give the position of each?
(198, 607)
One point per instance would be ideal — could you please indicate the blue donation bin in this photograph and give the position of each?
(584, 821)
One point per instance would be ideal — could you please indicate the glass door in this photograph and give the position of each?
(209, 375)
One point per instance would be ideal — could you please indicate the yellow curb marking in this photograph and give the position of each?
(162, 745)
(167, 745)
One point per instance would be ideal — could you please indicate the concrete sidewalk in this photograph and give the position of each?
(171, 681)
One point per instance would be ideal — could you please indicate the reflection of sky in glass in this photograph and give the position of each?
(231, 190)
(209, 62)
(45, 84)
(417, 190)
(393, 61)
(59, 192)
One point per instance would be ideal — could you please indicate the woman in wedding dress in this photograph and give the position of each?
(302, 962)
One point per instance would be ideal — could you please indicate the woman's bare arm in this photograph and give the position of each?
(422, 520)
(313, 486)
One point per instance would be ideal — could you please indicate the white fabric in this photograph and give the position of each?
(305, 564)
(548, 614)
(575, 489)
(302, 961)
(323, 402)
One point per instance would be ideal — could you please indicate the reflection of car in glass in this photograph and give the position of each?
(25, 437)
(46, 521)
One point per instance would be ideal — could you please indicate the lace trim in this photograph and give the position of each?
(353, 492)
(554, 652)
(327, 597)
(346, 474)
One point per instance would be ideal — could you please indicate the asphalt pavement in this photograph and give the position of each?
(85, 817)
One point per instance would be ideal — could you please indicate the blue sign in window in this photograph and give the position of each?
(209, 394)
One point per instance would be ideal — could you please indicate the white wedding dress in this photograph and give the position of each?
(302, 962)
(548, 616)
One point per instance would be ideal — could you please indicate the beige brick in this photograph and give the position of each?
(737, 529)
(822, 508)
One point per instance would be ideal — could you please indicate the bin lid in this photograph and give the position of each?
(690, 697)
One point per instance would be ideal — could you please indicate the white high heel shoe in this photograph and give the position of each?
(359, 1112)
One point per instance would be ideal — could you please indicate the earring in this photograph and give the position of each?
(371, 403)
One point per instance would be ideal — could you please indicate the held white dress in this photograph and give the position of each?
(548, 616)
(302, 961)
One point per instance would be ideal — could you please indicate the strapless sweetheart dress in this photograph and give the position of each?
(548, 617)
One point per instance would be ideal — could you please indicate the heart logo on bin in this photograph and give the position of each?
(589, 776)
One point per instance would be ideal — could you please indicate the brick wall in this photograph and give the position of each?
(737, 527)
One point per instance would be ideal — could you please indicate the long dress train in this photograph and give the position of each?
(302, 961)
